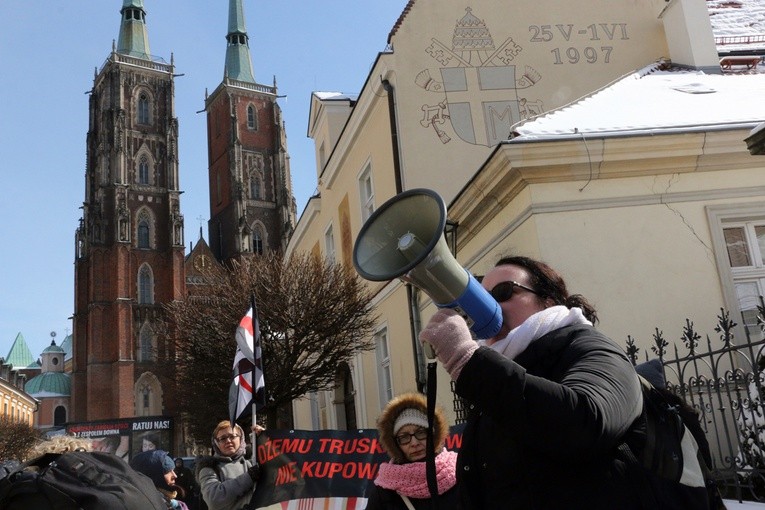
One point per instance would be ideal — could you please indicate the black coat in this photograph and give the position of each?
(542, 430)
(388, 499)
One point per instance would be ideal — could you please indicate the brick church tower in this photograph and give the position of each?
(129, 243)
(252, 209)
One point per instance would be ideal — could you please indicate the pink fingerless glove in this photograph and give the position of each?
(450, 337)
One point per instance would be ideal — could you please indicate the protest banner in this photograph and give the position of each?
(305, 465)
(126, 437)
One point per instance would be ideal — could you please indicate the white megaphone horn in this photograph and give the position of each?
(404, 239)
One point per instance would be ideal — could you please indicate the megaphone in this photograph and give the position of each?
(404, 239)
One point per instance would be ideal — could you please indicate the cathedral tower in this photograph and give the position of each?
(252, 209)
(129, 243)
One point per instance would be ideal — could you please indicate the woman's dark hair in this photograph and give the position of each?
(549, 284)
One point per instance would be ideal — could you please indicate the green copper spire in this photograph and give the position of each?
(20, 356)
(238, 63)
(134, 38)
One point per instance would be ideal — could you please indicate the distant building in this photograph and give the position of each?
(252, 209)
(15, 403)
(52, 388)
(129, 252)
(613, 151)
(129, 258)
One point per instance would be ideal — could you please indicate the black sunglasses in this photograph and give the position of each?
(504, 291)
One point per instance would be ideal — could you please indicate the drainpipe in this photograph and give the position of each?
(412, 293)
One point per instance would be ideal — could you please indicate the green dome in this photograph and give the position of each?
(53, 348)
(49, 384)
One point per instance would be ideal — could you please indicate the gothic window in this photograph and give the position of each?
(143, 170)
(257, 242)
(145, 286)
(143, 234)
(252, 118)
(59, 416)
(255, 188)
(143, 109)
(147, 395)
(146, 344)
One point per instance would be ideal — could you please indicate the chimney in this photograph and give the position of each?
(689, 35)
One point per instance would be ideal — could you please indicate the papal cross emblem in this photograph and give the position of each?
(480, 83)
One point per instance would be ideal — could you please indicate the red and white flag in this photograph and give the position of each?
(248, 385)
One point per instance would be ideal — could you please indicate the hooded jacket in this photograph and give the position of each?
(381, 498)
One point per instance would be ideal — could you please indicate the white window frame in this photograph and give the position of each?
(735, 280)
(366, 192)
(330, 254)
(382, 364)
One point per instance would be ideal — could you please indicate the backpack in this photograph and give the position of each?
(667, 455)
(78, 480)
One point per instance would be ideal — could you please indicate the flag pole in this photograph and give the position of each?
(253, 434)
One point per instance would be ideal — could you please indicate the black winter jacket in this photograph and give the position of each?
(542, 430)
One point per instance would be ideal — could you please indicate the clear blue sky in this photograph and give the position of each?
(49, 52)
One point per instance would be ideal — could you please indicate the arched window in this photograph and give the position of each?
(59, 416)
(255, 188)
(257, 243)
(145, 286)
(252, 119)
(143, 109)
(143, 170)
(143, 234)
(146, 344)
(147, 395)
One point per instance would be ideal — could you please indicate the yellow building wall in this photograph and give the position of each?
(456, 99)
(452, 106)
(15, 405)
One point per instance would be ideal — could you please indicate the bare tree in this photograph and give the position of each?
(314, 316)
(16, 439)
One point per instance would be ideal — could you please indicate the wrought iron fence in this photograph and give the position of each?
(724, 381)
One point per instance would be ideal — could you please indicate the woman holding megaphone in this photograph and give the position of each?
(550, 398)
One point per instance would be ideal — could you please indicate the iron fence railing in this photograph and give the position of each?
(723, 381)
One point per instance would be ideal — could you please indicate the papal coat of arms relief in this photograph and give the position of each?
(479, 85)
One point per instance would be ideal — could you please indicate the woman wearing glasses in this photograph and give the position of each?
(227, 479)
(550, 398)
(401, 483)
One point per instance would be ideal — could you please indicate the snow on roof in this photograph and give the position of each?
(324, 96)
(736, 21)
(657, 100)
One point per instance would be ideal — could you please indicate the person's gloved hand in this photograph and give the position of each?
(254, 472)
(449, 336)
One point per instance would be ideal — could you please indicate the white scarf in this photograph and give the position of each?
(536, 326)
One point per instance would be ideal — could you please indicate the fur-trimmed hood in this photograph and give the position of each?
(388, 417)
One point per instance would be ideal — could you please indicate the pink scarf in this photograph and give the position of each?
(410, 480)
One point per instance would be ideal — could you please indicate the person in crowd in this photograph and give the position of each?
(185, 479)
(150, 442)
(227, 479)
(549, 396)
(402, 483)
(159, 466)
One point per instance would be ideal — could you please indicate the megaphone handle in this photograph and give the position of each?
(429, 351)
